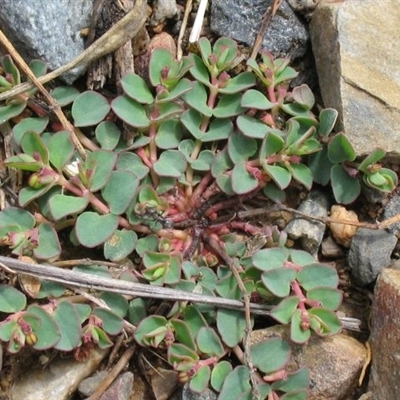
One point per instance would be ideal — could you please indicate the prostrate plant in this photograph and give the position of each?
(170, 164)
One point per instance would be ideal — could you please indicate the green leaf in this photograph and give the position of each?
(221, 163)
(11, 110)
(136, 88)
(24, 162)
(101, 162)
(384, 180)
(304, 96)
(120, 245)
(33, 145)
(226, 51)
(320, 166)
(169, 134)
(203, 161)
(112, 323)
(10, 68)
(270, 355)
(93, 229)
(252, 127)
(182, 357)
(28, 194)
(274, 193)
(47, 331)
(237, 383)
(11, 299)
(297, 333)
(231, 326)
(64, 95)
(199, 71)
(328, 297)
(242, 180)
(117, 303)
(371, 159)
(340, 149)
(327, 120)
(38, 67)
(330, 323)
(130, 111)
(108, 135)
(17, 216)
(194, 319)
(209, 343)
(345, 188)
(7, 328)
(255, 99)
(301, 257)
(302, 174)
(240, 147)
(61, 149)
(298, 380)
(89, 108)
(67, 319)
(267, 259)
(37, 125)
(284, 310)
(281, 176)
(183, 334)
(197, 99)
(132, 162)
(228, 106)
(219, 129)
(219, 374)
(278, 281)
(160, 59)
(315, 275)
(183, 86)
(171, 163)
(148, 327)
(120, 190)
(50, 289)
(200, 380)
(62, 205)
(48, 245)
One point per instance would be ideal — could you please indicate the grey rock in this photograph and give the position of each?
(121, 388)
(58, 381)
(90, 384)
(162, 10)
(369, 253)
(308, 231)
(385, 337)
(334, 362)
(47, 30)
(392, 208)
(286, 36)
(356, 55)
(188, 394)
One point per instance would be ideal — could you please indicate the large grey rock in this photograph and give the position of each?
(334, 362)
(392, 209)
(369, 253)
(357, 58)
(47, 30)
(240, 20)
(385, 337)
(58, 381)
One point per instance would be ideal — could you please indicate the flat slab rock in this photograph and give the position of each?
(357, 59)
(385, 336)
(334, 362)
(47, 30)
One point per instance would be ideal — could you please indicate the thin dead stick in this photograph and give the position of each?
(113, 373)
(82, 280)
(269, 13)
(325, 220)
(50, 100)
(125, 29)
(247, 312)
(188, 8)
(198, 22)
